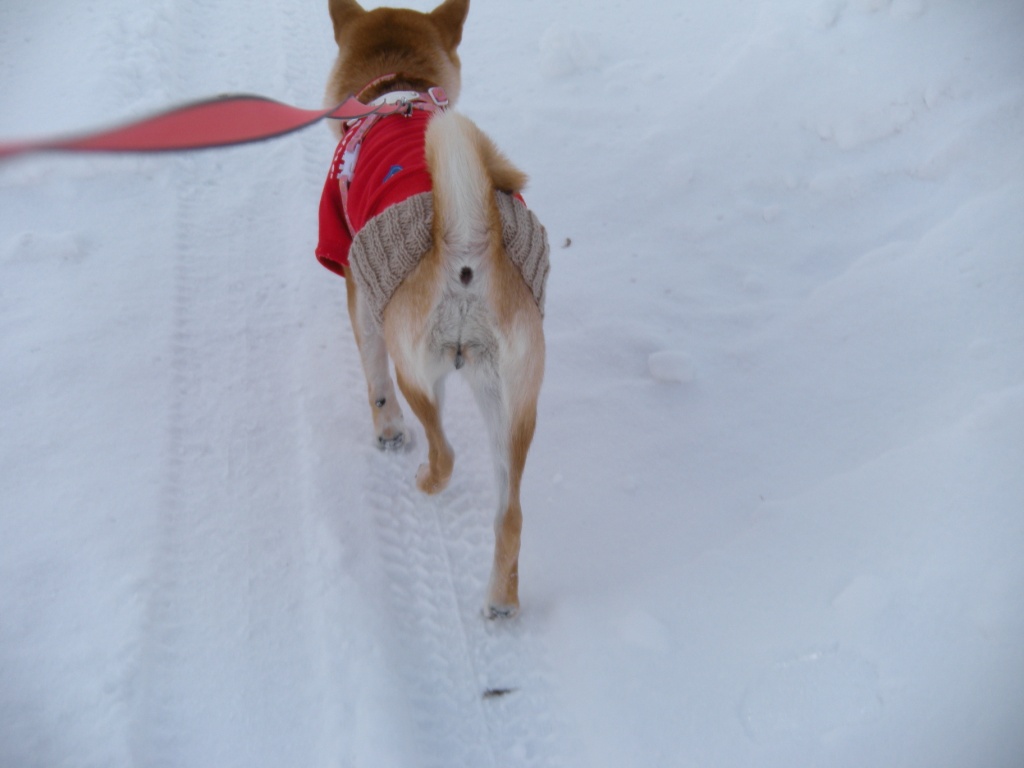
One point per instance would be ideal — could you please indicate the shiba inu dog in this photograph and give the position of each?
(444, 265)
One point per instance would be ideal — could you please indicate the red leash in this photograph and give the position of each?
(217, 122)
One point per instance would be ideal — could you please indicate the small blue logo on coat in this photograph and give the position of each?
(394, 169)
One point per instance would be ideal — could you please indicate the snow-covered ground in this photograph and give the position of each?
(774, 511)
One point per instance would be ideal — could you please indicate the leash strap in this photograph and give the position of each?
(217, 122)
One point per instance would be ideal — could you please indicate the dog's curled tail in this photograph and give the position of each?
(466, 168)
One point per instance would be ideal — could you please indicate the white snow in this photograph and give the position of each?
(672, 366)
(774, 511)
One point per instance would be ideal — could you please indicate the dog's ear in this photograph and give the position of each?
(342, 12)
(449, 18)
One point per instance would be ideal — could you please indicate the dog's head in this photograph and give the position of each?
(420, 48)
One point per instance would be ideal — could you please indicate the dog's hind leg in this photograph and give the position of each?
(388, 423)
(509, 406)
(433, 476)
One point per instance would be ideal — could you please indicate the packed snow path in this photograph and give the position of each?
(773, 508)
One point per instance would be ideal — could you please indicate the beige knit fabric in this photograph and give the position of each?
(392, 243)
(526, 242)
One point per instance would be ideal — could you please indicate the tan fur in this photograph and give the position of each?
(421, 50)
(421, 47)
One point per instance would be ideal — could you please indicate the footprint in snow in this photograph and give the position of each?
(42, 246)
(672, 367)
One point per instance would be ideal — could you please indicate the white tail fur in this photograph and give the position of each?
(463, 188)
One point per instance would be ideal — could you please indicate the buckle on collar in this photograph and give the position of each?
(438, 96)
(395, 97)
(436, 93)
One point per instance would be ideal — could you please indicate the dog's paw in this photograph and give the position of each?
(494, 611)
(391, 441)
(389, 424)
(431, 482)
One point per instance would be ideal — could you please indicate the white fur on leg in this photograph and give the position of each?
(486, 384)
(387, 414)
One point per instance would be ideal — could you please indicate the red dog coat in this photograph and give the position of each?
(392, 168)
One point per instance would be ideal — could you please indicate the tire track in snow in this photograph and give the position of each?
(235, 666)
(478, 690)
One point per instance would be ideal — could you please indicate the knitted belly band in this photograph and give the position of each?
(392, 243)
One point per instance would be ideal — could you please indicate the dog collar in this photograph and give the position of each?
(435, 99)
(437, 96)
